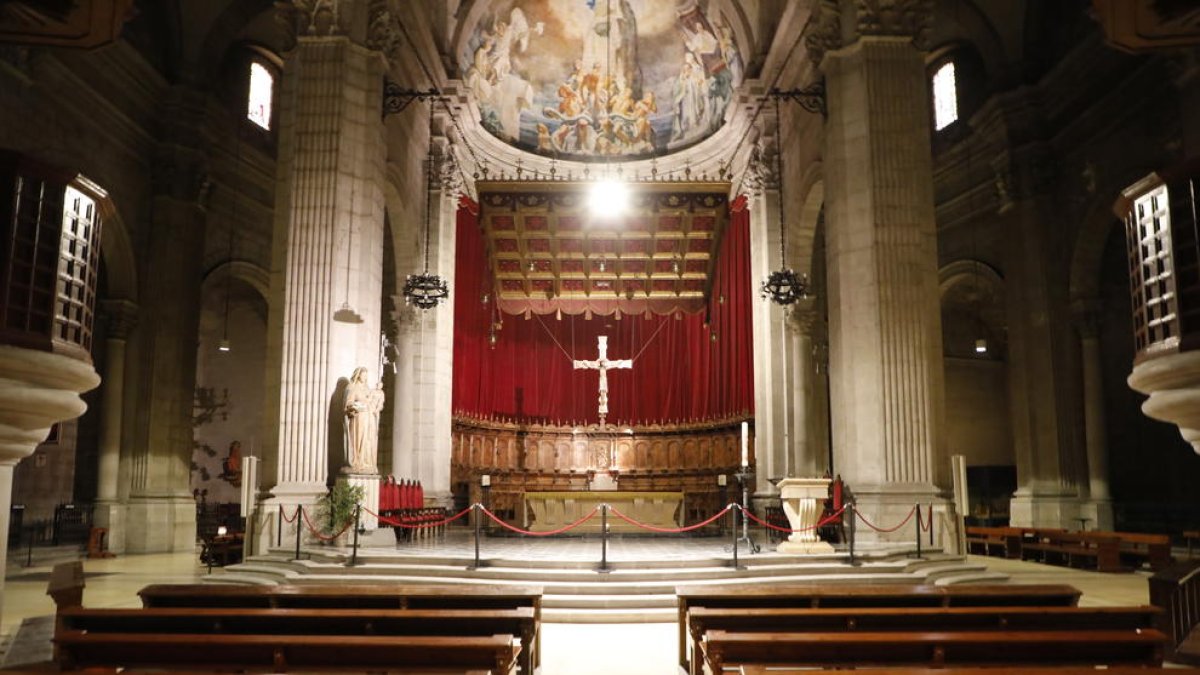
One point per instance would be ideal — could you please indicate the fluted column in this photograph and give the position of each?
(121, 316)
(807, 455)
(885, 324)
(328, 242)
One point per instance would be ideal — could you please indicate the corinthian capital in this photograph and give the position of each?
(904, 18)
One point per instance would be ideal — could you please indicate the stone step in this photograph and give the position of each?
(596, 601)
(622, 615)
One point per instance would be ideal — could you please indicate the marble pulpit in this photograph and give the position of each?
(802, 501)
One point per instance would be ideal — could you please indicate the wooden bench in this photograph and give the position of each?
(381, 597)
(1070, 548)
(760, 596)
(984, 539)
(984, 648)
(704, 619)
(755, 669)
(1152, 548)
(1190, 537)
(278, 653)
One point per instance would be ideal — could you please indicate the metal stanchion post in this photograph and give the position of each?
(299, 511)
(853, 517)
(918, 519)
(476, 515)
(603, 539)
(279, 528)
(357, 521)
(734, 511)
(931, 525)
(29, 547)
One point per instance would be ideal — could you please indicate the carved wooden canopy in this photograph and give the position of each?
(63, 23)
(548, 253)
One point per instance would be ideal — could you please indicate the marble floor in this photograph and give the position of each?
(569, 649)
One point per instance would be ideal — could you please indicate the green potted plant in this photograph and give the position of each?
(336, 508)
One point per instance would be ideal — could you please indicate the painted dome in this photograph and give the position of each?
(593, 79)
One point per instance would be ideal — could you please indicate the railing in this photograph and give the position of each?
(1177, 591)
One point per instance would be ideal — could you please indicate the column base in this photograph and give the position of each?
(160, 524)
(111, 516)
(1100, 511)
(886, 507)
(1030, 509)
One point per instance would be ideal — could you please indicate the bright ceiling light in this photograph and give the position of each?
(608, 198)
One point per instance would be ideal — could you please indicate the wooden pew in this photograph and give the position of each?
(1152, 548)
(1006, 539)
(701, 620)
(983, 648)
(755, 669)
(1071, 547)
(757, 596)
(382, 596)
(278, 653)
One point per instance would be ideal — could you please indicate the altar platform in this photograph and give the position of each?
(548, 511)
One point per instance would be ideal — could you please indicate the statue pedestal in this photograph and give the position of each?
(802, 499)
(370, 485)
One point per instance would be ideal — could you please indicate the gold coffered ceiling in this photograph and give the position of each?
(548, 253)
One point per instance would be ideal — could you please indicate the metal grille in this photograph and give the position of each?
(31, 260)
(78, 260)
(1155, 319)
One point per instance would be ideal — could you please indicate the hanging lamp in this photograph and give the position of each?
(426, 290)
(783, 286)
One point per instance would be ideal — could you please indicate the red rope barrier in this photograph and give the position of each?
(928, 524)
(518, 530)
(420, 526)
(283, 515)
(666, 530)
(318, 534)
(821, 523)
(877, 529)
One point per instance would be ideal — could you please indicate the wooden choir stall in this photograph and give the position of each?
(544, 477)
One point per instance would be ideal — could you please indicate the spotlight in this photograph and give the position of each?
(224, 346)
(608, 198)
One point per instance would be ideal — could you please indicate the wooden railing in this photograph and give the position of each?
(1176, 590)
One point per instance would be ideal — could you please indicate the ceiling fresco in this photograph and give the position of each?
(593, 79)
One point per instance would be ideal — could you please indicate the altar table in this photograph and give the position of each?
(545, 511)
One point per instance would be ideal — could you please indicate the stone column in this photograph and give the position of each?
(37, 389)
(1098, 506)
(808, 458)
(770, 376)
(327, 264)
(160, 514)
(885, 334)
(109, 512)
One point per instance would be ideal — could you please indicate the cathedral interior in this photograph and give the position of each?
(816, 238)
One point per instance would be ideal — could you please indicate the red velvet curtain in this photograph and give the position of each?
(680, 373)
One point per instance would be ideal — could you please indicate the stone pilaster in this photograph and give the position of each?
(109, 511)
(770, 352)
(327, 258)
(1098, 505)
(1041, 350)
(885, 335)
(160, 514)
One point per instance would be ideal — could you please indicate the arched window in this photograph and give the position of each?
(945, 97)
(261, 91)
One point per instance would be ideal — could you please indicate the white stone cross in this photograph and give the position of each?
(603, 364)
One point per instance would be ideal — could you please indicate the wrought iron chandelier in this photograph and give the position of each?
(426, 290)
(783, 286)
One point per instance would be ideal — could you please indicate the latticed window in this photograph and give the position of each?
(1164, 262)
(262, 88)
(77, 262)
(945, 97)
(49, 258)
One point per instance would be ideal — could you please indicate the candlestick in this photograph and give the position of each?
(745, 444)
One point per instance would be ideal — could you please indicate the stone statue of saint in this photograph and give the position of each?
(363, 405)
